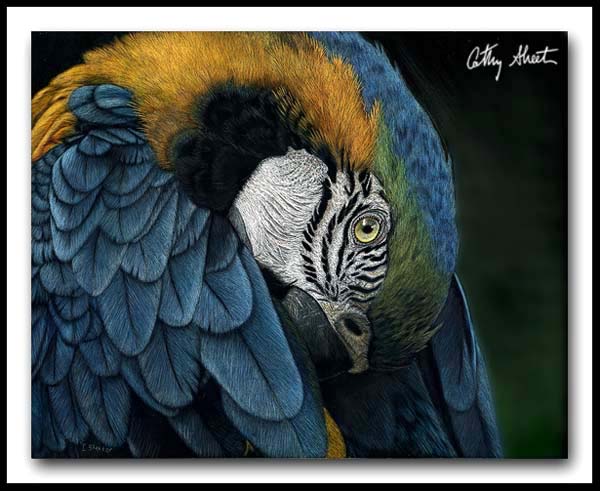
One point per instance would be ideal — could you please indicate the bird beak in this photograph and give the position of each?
(337, 339)
(354, 330)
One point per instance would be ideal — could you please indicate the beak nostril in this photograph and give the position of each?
(354, 330)
(352, 327)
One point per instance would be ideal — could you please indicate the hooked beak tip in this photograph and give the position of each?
(354, 329)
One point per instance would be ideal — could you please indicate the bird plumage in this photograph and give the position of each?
(148, 305)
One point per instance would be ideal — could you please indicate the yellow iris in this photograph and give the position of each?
(367, 229)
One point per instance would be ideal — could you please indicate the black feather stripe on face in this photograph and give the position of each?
(356, 271)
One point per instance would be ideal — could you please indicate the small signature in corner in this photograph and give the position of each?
(90, 447)
(485, 57)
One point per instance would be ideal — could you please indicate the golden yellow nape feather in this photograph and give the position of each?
(336, 447)
(51, 120)
(167, 72)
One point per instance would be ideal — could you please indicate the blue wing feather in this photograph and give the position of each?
(40, 337)
(93, 147)
(68, 243)
(226, 294)
(161, 178)
(125, 224)
(100, 354)
(42, 251)
(103, 401)
(192, 231)
(457, 365)
(182, 285)
(68, 217)
(170, 365)
(146, 259)
(37, 199)
(131, 372)
(58, 278)
(264, 381)
(146, 437)
(105, 105)
(113, 98)
(58, 357)
(83, 174)
(135, 155)
(128, 309)
(73, 306)
(455, 349)
(115, 136)
(66, 412)
(223, 245)
(53, 439)
(71, 327)
(125, 179)
(121, 200)
(97, 261)
(226, 299)
(62, 188)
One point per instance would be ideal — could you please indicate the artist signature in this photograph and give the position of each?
(90, 447)
(485, 57)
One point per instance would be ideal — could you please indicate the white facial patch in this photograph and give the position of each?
(302, 226)
(275, 205)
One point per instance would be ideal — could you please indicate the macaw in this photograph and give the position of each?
(244, 244)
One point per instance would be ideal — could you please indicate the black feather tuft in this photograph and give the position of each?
(237, 128)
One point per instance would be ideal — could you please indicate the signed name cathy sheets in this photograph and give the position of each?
(485, 57)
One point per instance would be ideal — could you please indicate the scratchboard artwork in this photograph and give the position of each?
(245, 244)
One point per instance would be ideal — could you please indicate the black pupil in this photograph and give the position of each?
(367, 228)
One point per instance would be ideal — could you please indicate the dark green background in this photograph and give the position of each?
(508, 140)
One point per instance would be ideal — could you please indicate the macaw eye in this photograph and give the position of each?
(367, 229)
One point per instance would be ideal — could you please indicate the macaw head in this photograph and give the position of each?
(349, 254)
(346, 202)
